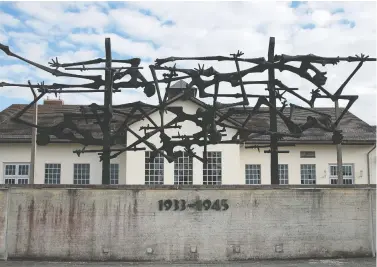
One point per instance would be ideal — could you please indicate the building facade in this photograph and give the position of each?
(56, 164)
(311, 160)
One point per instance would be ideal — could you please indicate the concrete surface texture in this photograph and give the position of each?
(367, 262)
(129, 225)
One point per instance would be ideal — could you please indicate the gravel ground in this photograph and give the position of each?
(367, 262)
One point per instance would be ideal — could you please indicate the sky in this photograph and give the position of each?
(76, 31)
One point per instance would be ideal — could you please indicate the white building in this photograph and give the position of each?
(312, 159)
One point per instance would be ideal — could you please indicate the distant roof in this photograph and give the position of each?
(355, 130)
(180, 84)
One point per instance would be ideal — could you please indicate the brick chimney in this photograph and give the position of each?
(178, 88)
(55, 102)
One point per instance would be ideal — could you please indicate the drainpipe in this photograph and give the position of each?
(372, 234)
(368, 167)
(33, 141)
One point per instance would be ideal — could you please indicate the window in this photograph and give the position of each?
(308, 174)
(183, 169)
(212, 169)
(120, 138)
(114, 173)
(154, 169)
(283, 173)
(348, 176)
(307, 154)
(16, 173)
(81, 174)
(253, 174)
(52, 173)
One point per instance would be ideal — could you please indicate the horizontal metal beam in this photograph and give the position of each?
(278, 151)
(104, 68)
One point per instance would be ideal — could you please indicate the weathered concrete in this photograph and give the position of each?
(3, 223)
(122, 224)
(361, 262)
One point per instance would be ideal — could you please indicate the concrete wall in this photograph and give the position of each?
(123, 224)
(3, 222)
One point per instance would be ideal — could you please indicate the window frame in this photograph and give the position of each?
(60, 172)
(17, 177)
(217, 177)
(315, 174)
(286, 172)
(307, 154)
(153, 179)
(74, 173)
(188, 173)
(345, 177)
(248, 171)
(114, 172)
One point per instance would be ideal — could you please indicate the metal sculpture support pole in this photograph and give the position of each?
(338, 149)
(33, 142)
(107, 116)
(273, 120)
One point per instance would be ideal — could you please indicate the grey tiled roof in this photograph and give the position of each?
(354, 129)
(48, 115)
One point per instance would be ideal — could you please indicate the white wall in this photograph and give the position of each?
(234, 158)
(136, 161)
(325, 155)
(57, 153)
(372, 167)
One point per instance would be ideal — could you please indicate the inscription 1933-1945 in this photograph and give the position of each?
(199, 205)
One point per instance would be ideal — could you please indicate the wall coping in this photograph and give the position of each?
(187, 187)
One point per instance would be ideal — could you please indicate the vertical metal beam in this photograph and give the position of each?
(273, 119)
(338, 148)
(107, 116)
(33, 142)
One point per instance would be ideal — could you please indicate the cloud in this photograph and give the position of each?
(119, 44)
(57, 16)
(3, 37)
(75, 31)
(8, 20)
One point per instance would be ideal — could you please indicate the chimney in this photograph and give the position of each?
(178, 88)
(55, 102)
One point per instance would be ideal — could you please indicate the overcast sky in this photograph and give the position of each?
(149, 30)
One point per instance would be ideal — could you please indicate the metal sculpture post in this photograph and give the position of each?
(339, 159)
(108, 97)
(210, 119)
(33, 141)
(273, 118)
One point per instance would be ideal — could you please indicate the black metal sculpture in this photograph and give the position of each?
(210, 119)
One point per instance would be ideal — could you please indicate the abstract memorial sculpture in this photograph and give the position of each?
(210, 119)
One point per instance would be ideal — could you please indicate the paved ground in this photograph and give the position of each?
(300, 263)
